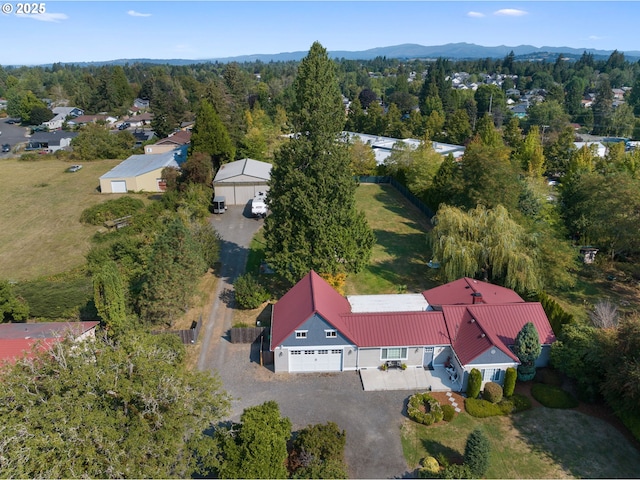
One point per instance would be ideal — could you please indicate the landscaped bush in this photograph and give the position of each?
(476, 453)
(430, 468)
(456, 471)
(510, 378)
(482, 408)
(425, 409)
(249, 293)
(492, 392)
(549, 376)
(110, 210)
(448, 412)
(474, 384)
(552, 396)
(520, 402)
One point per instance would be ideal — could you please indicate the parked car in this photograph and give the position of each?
(124, 126)
(75, 168)
(259, 205)
(6, 148)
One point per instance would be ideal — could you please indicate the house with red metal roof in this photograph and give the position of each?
(24, 340)
(455, 327)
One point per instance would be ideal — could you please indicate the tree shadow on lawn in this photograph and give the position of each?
(584, 446)
(396, 203)
(414, 275)
(403, 245)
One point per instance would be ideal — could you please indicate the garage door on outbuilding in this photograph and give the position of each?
(315, 360)
(118, 186)
(241, 180)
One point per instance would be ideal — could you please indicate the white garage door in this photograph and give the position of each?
(315, 360)
(118, 186)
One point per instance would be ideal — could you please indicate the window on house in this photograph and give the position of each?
(396, 353)
(301, 333)
(491, 374)
(330, 333)
(296, 352)
(323, 352)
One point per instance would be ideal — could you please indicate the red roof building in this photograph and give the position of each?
(466, 324)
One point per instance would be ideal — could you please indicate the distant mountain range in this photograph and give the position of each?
(453, 51)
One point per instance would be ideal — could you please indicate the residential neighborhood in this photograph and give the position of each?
(322, 268)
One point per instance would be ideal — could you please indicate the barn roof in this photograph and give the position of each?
(245, 167)
(137, 165)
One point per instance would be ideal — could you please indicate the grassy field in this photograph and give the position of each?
(41, 203)
(537, 443)
(400, 255)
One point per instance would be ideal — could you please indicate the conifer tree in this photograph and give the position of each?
(476, 453)
(109, 297)
(210, 136)
(314, 223)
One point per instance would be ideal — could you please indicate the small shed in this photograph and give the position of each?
(241, 180)
(138, 173)
(588, 254)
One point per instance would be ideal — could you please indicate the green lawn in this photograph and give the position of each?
(538, 443)
(41, 202)
(400, 255)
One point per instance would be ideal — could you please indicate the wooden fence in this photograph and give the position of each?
(189, 336)
(247, 335)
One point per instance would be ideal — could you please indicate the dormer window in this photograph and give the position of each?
(330, 333)
(301, 333)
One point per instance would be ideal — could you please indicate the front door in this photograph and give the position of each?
(427, 361)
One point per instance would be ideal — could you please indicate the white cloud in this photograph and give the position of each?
(47, 17)
(595, 37)
(510, 12)
(475, 14)
(133, 13)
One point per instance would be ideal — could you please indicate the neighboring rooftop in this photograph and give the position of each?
(139, 164)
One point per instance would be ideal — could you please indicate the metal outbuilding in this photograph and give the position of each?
(241, 180)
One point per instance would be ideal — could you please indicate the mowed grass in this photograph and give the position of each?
(40, 232)
(538, 443)
(401, 253)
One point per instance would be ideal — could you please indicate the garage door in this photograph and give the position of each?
(118, 186)
(315, 360)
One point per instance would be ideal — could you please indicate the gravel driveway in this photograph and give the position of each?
(372, 420)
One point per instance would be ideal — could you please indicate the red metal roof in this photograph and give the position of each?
(14, 349)
(309, 296)
(460, 292)
(397, 329)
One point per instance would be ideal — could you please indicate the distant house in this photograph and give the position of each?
(141, 103)
(142, 136)
(241, 180)
(51, 141)
(139, 173)
(174, 141)
(597, 148)
(519, 110)
(141, 120)
(61, 114)
(384, 146)
(23, 340)
(455, 327)
(86, 119)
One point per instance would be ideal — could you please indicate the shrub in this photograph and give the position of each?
(110, 210)
(430, 468)
(510, 378)
(448, 412)
(475, 383)
(456, 471)
(553, 397)
(492, 392)
(482, 408)
(520, 403)
(249, 293)
(425, 409)
(549, 376)
(476, 453)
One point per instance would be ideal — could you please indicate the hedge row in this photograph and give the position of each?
(482, 408)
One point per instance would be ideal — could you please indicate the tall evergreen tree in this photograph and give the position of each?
(527, 348)
(314, 223)
(211, 137)
(476, 453)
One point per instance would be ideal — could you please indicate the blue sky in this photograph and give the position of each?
(76, 31)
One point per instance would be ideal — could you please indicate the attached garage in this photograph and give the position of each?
(139, 173)
(315, 360)
(241, 180)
